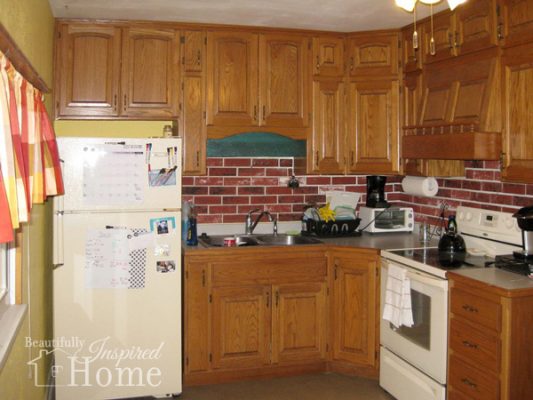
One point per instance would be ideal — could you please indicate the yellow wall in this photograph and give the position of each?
(110, 128)
(31, 25)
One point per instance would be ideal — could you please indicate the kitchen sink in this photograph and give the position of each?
(259, 240)
(286, 240)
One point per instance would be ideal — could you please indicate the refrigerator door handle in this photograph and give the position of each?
(58, 255)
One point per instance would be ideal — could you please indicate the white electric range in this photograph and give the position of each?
(414, 359)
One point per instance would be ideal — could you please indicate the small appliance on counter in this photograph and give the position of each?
(520, 262)
(375, 192)
(391, 219)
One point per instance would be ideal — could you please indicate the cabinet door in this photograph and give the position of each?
(517, 21)
(299, 322)
(87, 80)
(241, 327)
(232, 91)
(518, 116)
(284, 80)
(196, 317)
(373, 128)
(443, 34)
(476, 26)
(354, 307)
(326, 147)
(150, 73)
(328, 56)
(373, 55)
(193, 51)
(194, 128)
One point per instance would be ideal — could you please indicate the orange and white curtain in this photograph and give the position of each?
(29, 159)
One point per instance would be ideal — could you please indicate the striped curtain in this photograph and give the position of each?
(29, 158)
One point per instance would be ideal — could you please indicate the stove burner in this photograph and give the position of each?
(511, 263)
(443, 260)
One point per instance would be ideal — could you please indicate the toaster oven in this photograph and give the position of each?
(392, 219)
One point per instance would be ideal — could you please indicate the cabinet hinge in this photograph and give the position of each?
(210, 298)
(210, 357)
(182, 39)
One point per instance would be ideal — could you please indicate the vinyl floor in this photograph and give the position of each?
(325, 386)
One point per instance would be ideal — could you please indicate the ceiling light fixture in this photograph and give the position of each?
(410, 6)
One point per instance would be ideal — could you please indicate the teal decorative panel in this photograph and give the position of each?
(256, 144)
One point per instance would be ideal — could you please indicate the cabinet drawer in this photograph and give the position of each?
(477, 346)
(476, 309)
(472, 382)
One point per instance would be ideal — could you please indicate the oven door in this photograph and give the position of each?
(424, 345)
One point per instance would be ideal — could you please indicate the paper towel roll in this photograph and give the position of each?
(420, 186)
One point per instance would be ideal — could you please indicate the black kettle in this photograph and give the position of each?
(452, 247)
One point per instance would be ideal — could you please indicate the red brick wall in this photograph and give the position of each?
(234, 186)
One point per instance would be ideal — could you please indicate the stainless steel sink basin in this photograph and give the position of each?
(218, 241)
(286, 240)
(259, 240)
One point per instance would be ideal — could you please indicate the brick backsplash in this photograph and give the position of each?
(234, 186)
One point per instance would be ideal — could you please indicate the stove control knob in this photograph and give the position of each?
(509, 222)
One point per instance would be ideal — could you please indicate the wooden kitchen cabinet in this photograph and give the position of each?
(372, 54)
(150, 72)
(489, 349)
(354, 306)
(326, 152)
(328, 56)
(251, 313)
(411, 57)
(104, 71)
(517, 102)
(193, 98)
(443, 34)
(232, 79)
(241, 320)
(517, 22)
(87, 76)
(373, 127)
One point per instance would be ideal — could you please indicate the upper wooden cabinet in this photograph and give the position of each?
(473, 26)
(87, 76)
(232, 79)
(372, 54)
(193, 51)
(91, 83)
(355, 306)
(257, 80)
(373, 127)
(328, 56)
(150, 70)
(517, 103)
(517, 17)
(283, 80)
(326, 152)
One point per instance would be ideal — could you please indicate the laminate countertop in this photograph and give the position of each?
(505, 283)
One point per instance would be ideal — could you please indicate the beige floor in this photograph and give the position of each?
(307, 387)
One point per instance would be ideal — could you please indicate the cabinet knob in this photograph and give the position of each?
(469, 383)
(466, 343)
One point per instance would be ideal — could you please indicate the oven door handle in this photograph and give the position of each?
(420, 276)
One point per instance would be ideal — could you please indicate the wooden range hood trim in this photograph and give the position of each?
(453, 146)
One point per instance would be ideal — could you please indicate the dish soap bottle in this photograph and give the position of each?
(192, 233)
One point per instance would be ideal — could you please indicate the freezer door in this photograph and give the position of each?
(121, 174)
(117, 306)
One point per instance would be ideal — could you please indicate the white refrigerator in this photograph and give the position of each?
(117, 269)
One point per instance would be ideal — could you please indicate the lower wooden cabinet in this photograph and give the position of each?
(490, 356)
(354, 307)
(273, 312)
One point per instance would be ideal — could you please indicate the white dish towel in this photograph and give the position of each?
(397, 307)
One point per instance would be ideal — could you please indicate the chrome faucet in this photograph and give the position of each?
(250, 226)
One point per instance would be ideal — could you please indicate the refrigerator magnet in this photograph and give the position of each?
(165, 266)
(163, 226)
(162, 250)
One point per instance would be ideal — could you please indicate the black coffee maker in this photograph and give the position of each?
(375, 192)
(524, 218)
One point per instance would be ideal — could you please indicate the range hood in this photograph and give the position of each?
(460, 110)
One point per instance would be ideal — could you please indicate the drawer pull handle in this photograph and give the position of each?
(468, 383)
(469, 308)
(466, 343)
